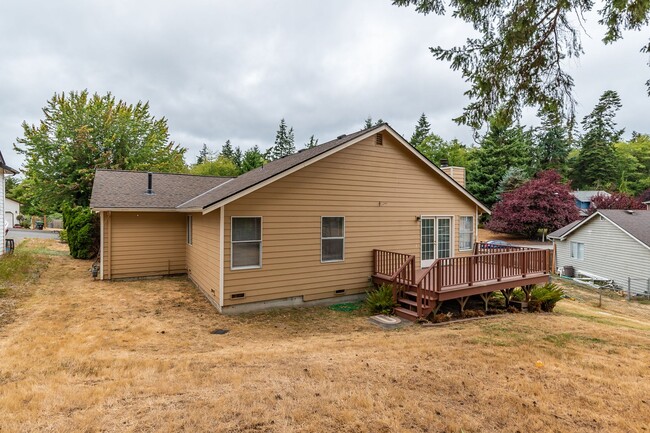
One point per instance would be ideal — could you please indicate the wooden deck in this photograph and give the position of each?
(421, 291)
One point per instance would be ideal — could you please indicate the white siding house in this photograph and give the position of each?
(611, 244)
(6, 171)
(11, 211)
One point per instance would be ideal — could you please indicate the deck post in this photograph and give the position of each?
(499, 267)
(522, 264)
(486, 298)
(462, 302)
(470, 271)
(438, 277)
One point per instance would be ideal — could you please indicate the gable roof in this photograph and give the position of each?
(635, 223)
(121, 189)
(5, 167)
(219, 194)
(586, 196)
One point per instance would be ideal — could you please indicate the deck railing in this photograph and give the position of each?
(469, 270)
(398, 268)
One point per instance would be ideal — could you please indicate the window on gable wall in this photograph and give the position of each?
(577, 250)
(332, 239)
(466, 233)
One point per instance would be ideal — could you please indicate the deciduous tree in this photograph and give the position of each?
(80, 133)
(617, 200)
(543, 202)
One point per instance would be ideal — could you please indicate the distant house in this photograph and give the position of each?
(299, 229)
(583, 199)
(610, 244)
(6, 171)
(647, 204)
(12, 210)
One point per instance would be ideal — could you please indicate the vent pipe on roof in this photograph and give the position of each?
(444, 163)
(150, 183)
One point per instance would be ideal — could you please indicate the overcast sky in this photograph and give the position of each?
(222, 70)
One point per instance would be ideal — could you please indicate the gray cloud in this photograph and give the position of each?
(231, 70)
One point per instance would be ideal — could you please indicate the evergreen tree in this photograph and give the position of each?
(284, 143)
(227, 150)
(367, 124)
(422, 130)
(252, 159)
(204, 155)
(503, 146)
(513, 179)
(313, 142)
(596, 164)
(237, 157)
(551, 145)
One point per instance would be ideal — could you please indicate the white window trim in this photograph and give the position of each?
(452, 234)
(473, 233)
(243, 268)
(576, 257)
(335, 237)
(189, 230)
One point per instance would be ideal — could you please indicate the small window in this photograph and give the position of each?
(577, 250)
(246, 243)
(466, 233)
(189, 229)
(332, 241)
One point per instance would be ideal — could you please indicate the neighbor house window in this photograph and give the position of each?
(332, 241)
(246, 243)
(466, 233)
(577, 250)
(189, 229)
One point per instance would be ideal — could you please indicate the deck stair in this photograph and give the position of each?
(418, 292)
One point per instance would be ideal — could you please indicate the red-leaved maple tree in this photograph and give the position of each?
(543, 202)
(617, 200)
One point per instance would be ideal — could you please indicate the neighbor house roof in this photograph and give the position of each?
(5, 167)
(636, 223)
(120, 189)
(586, 196)
(216, 195)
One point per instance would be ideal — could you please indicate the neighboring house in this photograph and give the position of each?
(299, 229)
(6, 171)
(611, 244)
(583, 200)
(12, 210)
(647, 204)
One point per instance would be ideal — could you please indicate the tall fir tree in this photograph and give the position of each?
(504, 146)
(284, 143)
(204, 155)
(313, 142)
(422, 130)
(252, 159)
(596, 164)
(228, 150)
(552, 145)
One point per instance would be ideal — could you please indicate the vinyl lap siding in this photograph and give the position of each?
(203, 254)
(144, 244)
(379, 189)
(609, 253)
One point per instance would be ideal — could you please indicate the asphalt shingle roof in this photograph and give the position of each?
(586, 196)
(128, 189)
(636, 223)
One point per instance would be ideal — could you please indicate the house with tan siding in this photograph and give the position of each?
(301, 229)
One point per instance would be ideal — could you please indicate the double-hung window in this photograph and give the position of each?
(332, 241)
(246, 251)
(577, 250)
(466, 233)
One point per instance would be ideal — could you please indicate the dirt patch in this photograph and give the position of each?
(85, 355)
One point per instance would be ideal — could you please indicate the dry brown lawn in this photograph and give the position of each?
(85, 355)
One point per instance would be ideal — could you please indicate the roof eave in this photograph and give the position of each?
(143, 209)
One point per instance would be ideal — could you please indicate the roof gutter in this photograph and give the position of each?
(144, 209)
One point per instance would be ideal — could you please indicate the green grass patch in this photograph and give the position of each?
(17, 267)
(566, 338)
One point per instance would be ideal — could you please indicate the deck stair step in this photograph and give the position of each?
(410, 302)
(405, 313)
